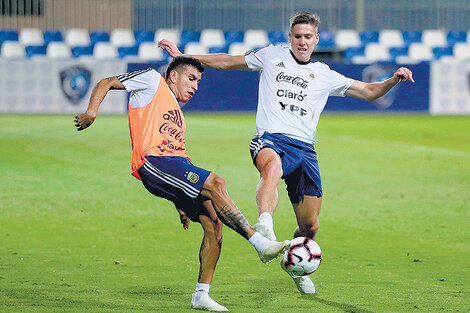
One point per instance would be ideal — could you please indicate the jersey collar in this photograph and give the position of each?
(299, 62)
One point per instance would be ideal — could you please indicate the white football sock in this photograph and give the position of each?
(258, 241)
(267, 217)
(200, 287)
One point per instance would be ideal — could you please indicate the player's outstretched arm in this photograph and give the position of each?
(84, 120)
(220, 61)
(372, 91)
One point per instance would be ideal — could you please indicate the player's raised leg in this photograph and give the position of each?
(269, 165)
(306, 212)
(208, 256)
(214, 188)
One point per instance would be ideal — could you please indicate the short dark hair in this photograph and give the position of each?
(305, 17)
(184, 61)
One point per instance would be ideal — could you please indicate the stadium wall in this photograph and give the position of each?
(64, 86)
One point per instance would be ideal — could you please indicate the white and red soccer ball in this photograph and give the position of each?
(302, 258)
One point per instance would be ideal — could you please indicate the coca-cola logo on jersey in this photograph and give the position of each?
(294, 80)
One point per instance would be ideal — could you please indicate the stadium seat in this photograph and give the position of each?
(99, 36)
(410, 37)
(417, 52)
(58, 50)
(454, 37)
(150, 51)
(122, 37)
(124, 52)
(256, 38)
(223, 49)
(439, 52)
(238, 48)
(461, 51)
(369, 37)
(434, 38)
(233, 36)
(104, 50)
(8, 35)
(346, 38)
(168, 33)
(77, 37)
(144, 36)
(351, 52)
(33, 51)
(391, 38)
(82, 51)
(277, 37)
(327, 39)
(398, 51)
(195, 48)
(31, 37)
(53, 36)
(188, 36)
(377, 52)
(212, 38)
(12, 49)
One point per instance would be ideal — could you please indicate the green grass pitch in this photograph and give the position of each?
(79, 234)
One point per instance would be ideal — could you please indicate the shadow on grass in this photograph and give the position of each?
(346, 307)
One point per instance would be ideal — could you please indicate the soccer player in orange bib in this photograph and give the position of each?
(159, 160)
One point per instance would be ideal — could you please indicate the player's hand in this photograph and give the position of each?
(170, 47)
(184, 219)
(84, 120)
(403, 74)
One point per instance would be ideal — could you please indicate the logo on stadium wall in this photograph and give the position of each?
(193, 177)
(75, 82)
(375, 73)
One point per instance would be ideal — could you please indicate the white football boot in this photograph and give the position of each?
(304, 284)
(265, 229)
(272, 250)
(202, 301)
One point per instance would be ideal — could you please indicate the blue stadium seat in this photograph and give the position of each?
(189, 36)
(369, 37)
(277, 37)
(128, 51)
(441, 51)
(35, 50)
(51, 35)
(351, 52)
(144, 36)
(327, 39)
(8, 35)
(454, 37)
(233, 36)
(223, 49)
(82, 51)
(397, 52)
(98, 36)
(410, 37)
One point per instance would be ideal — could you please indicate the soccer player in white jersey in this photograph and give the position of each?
(293, 91)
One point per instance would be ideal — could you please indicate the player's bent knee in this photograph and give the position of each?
(272, 169)
(215, 183)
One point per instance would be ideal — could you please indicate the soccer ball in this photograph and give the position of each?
(302, 258)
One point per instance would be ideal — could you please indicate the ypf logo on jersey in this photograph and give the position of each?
(75, 82)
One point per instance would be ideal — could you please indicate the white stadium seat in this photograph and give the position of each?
(434, 38)
(462, 51)
(31, 37)
(256, 38)
(195, 48)
(150, 51)
(122, 37)
(391, 38)
(12, 49)
(104, 50)
(77, 37)
(346, 38)
(238, 48)
(58, 50)
(417, 52)
(168, 33)
(212, 38)
(373, 52)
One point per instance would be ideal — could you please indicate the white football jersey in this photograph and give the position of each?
(292, 94)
